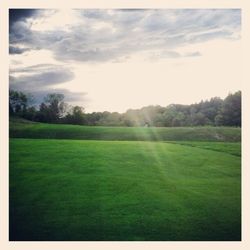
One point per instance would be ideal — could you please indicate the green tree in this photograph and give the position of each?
(200, 119)
(18, 102)
(75, 116)
(218, 121)
(231, 110)
(53, 108)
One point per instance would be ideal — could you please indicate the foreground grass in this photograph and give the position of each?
(100, 190)
(226, 147)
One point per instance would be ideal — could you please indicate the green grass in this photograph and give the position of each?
(124, 190)
(226, 147)
(21, 129)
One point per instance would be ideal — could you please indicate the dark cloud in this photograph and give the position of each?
(17, 50)
(20, 14)
(95, 14)
(36, 80)
(20, 34)
(37, 68)
(107, 35)
(39, 84)
(39, 80)
(38, 95)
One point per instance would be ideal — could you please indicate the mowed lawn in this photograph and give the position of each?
(124, 190)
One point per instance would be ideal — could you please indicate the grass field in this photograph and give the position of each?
(23, 129)
(124, 190)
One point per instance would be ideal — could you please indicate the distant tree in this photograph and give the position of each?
(215, 111)
(75, 116)
(179, 120)
(151, 115)
(53, 108)
(18, 102)
(111, 119)
(200, 119)
(93, 118)
(231, 110)
(132, 118)
(190, 120)
(218, 121)
(213, 108)
(30, 114)
(169, 115)
(126, 121)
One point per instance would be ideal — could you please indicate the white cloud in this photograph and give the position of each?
(53, 20)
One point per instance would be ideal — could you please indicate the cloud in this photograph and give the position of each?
(37, 68)
(21, 14)
(193, 54)
(106, 35)
(155, 56)
(172, 55)
(21, 34)
(50, 76)
(39, 95)
(17, 50)
(40, 80)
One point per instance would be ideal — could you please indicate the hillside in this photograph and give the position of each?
(21, 129)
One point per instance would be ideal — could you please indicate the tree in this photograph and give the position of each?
(170, 115)
(75, 116)
(231, 110)
(212, 108)
(218, 121)
(53, 108)
(200, 119)
(30, 114)
(178, 120)
(18, 102)
(215, 111)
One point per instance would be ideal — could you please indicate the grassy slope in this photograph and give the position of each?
(233, 148)
(99, 190)
(53, 131)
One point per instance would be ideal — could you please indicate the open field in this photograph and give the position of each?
(233, 148)
(123, 190)
(22, 129)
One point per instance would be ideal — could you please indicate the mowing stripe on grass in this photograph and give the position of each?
(111, 190)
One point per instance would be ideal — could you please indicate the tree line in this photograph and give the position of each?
(213, 112)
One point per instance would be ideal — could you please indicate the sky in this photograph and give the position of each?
(117, 59)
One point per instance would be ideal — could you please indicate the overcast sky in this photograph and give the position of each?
(119, 59)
